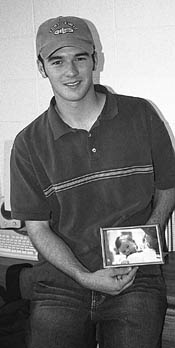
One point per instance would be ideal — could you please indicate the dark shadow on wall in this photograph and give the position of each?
(165, 122)
(100, 68)
(98, 48)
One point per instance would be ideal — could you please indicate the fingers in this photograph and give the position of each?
(113, 280)
(120, 271)
(130, 276)
(124, 262)
(119, 277)
(115, 272)
(127, 285)
(124, 281)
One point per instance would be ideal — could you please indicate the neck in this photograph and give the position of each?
(81, 114)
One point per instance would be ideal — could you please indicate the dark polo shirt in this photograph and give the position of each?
(81, 181)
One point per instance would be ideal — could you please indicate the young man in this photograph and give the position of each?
(93, 159)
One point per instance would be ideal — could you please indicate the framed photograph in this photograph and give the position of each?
(134, 245)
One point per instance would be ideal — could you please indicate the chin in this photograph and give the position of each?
(75, 97)
(78, 93)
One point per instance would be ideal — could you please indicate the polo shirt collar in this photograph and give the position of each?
(60, 128)
(110, 109)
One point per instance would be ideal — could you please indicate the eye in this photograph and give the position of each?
(57, 62)
(81, 58)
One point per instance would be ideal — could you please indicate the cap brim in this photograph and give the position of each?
(53, 46)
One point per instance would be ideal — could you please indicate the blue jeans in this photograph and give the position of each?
(78, 317)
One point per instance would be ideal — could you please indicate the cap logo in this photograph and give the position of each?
(63, 28)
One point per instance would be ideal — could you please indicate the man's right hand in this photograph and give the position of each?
(111, 281)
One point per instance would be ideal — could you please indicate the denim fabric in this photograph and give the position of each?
(77, 318)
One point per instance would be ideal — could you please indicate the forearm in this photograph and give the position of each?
(163, 205)
(54, 249)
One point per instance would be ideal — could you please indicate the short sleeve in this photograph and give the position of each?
(163, 154)
(27, 199)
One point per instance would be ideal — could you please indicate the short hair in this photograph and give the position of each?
(122, 237)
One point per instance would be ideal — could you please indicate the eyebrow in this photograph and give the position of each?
(51, 58)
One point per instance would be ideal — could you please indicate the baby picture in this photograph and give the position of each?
(138, 245)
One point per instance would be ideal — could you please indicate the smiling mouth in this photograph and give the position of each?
(73, 84)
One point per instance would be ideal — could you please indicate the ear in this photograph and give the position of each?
(95, 61)
(41, 68)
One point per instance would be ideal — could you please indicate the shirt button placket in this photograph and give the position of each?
(91, 145)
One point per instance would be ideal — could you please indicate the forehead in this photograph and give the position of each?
(125, 243)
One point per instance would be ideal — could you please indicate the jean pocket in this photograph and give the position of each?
(47, 293)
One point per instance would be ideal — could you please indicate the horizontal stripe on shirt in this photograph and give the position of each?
(96, 176)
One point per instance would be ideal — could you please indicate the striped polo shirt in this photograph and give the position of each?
(81, 181)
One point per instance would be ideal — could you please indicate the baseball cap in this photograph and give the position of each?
(56, 33)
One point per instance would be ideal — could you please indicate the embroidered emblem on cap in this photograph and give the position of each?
(63, 28)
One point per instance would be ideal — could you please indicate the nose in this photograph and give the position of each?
(71, 69)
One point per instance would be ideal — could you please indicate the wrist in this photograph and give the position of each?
(84, 278)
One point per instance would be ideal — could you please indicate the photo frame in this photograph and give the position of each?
(133, 245)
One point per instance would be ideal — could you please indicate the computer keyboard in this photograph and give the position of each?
(16, 245)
